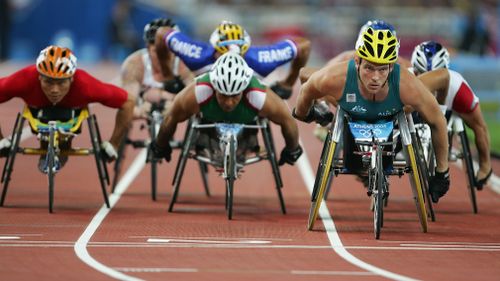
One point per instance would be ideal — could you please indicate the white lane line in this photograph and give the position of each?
(9, 237)
(342, 273)
(155, 269)
(81, 245)
(157, 240)
(308, 175)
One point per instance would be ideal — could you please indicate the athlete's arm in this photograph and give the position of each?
(276, 110)
(131, 73)
(437, 81)
(183, 107)
(303, 51)
(325, 83)
(162, 50)
(415, 94)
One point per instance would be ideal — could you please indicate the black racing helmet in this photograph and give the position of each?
(151, 28)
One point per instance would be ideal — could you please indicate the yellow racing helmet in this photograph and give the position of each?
(378, 45)
(228, 35)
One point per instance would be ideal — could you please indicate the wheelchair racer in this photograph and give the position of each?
(141, 73)
(199, 56)
(430, 61)
(229, 93)
(55, 83)
(371, 87)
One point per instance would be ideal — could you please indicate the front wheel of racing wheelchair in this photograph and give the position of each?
(330, 166)
(51, 130)
(228, 143)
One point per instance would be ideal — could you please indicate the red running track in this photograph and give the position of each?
(137, 239)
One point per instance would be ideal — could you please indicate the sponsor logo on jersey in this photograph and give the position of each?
(277, 55)
(359, 109)
(184, 48)
(387, 112)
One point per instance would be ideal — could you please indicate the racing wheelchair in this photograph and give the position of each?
(231, 162)
(373, 142)
(153, 122)
(53, 127)
(460, 152)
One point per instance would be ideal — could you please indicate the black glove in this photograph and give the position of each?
(315, 114)
(290, 156)
(159, 153)
(439, 185)
(281, 92)
(174, 86)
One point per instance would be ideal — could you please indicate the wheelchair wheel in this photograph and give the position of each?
(153, 161)
(230, 172)
(424, 174)
(100, 162)
(269, 144)
(117, 167)
(51, 155)
(469, 169)
(9, 162)
(417, 188)
(378, 195)
(204, 176)
(322, 177)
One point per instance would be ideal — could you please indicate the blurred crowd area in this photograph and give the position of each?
(109, 30)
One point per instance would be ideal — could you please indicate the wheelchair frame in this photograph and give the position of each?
(330, 165)
(51, 131)
(230, 172)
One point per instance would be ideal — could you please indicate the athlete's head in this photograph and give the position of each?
(230, 36)
(56, 66)
(377, 43)
(429, 55)
(229, 76)
(151, 28)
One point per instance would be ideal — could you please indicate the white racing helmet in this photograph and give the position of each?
(230, 74)
(429, 55)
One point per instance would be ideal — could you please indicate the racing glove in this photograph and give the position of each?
(290, 156)
(5, 144)
(439, 185)
(174, 85)
(159, 153)
(281, 91)
(320, 116)
(108, 151)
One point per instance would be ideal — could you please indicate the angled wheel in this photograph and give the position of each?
(469, 169)
(271, 154)
(99, 161)
(322, 177)
(9, 162)
(181, 165)
(416, 186)
(117, 167)
(424, 174)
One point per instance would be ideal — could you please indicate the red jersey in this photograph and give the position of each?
(85, 89)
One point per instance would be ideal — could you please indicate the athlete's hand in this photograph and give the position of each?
(317, 114)
(174, 86)
(290, 156)
(108, 151)
(439, 185)
(281, 91)
(158, 153)
(5, 144)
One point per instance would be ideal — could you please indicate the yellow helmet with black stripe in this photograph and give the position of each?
(378, 45)
(229, 35)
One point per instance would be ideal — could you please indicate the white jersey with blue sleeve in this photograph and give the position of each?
(198, 56)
